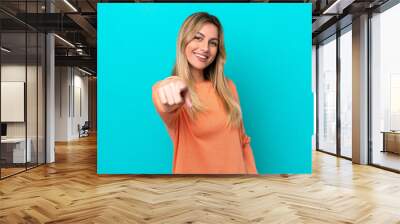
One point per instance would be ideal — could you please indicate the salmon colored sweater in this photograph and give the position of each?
(205, 145)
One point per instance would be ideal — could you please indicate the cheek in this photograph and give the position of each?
(213, 53)
(188, 50)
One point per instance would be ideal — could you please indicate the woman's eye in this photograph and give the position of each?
(214, 44)
(197, 38)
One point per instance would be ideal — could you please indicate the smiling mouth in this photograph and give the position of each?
(201, 57)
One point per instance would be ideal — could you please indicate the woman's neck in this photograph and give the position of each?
(198, 75)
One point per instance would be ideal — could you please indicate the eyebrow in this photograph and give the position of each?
(204, 36)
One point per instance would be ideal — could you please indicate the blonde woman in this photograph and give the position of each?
(200, 106)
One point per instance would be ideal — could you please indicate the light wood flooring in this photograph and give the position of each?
(70, 191)
(5, 172)
(387, 159)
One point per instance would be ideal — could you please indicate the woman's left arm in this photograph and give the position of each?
(247, 152)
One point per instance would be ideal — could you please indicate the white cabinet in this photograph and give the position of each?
(18, 149)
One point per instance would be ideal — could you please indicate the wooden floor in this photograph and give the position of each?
(387, 159)
(5, 172)
(70, 191)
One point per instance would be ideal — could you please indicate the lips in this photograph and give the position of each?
(201, 57)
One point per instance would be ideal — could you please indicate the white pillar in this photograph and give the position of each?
(50, 92)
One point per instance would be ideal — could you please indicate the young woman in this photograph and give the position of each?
(200, 106)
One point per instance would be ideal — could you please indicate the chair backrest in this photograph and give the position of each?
(86, 125)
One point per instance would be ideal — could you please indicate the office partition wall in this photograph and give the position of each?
(22, 77)
(13, 92)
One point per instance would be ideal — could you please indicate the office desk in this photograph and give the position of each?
(13, 150)
(391, 141)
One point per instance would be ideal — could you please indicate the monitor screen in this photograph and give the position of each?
(3, 129)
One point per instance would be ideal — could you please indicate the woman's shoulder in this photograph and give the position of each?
(231, 85)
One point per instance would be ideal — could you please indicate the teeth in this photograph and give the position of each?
(200, 55)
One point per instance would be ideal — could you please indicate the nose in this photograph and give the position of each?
(204, 46)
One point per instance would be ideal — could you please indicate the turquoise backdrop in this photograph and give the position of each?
(268, 57)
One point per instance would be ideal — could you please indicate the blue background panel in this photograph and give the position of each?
(268, 57)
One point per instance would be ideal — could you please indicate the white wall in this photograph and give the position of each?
(81, 103)
(9, 73)
(62, 81)
(33, 127)
(15, 72)
(71, 94)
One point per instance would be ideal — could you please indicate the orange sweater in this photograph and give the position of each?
(205, 145)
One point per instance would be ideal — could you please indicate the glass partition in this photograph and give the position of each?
(32, 95)
(346, 92)
(22, 77)
(41, 109)
(327, 95)
(15, 151)
(385, 89)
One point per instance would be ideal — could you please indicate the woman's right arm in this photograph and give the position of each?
(168, 96)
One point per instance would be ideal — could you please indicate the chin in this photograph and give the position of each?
(199, 66)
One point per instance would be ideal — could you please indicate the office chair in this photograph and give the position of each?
(84, 130)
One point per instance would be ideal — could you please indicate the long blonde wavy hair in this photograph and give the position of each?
(214, 72)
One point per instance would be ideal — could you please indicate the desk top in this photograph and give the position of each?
(13, 140)
(391, 132)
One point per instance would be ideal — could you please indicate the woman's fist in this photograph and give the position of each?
(173, 92)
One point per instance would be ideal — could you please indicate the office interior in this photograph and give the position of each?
(356, 61)
(49, 74)
(47, 80)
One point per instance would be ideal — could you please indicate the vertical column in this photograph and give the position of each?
(50, 92)
(360, 90)
(338, 92)
(314, 86)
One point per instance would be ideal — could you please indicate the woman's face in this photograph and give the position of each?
(202, 49)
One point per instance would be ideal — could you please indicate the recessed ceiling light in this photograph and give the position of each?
(84, 71)
(337, 7)
(70, 5)
(64, 40)
(5, 50)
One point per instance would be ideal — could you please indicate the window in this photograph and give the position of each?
(327, 95)
(346, 92)
(385, 88)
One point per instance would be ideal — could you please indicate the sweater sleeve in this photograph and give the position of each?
(244, 139)
(169, 118)
(247, 152)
